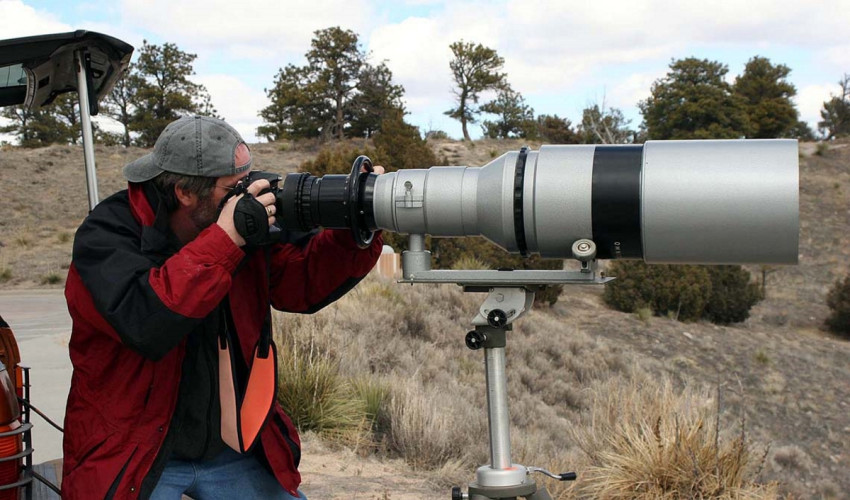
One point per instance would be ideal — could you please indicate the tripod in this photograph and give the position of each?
(510, 296)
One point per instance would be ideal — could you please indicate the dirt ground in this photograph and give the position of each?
(344, 474)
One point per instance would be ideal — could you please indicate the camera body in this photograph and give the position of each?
(256, 175)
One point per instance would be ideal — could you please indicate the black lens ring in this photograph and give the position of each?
(362, 235)
(290, 210)
(519, 184)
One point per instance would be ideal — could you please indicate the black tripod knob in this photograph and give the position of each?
(475, 340)
(457, 494)
(497, 318)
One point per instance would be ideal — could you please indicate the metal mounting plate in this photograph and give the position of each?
(505, 278)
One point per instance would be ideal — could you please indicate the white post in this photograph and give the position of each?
(85, 123)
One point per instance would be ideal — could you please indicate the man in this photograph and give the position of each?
(160, 278)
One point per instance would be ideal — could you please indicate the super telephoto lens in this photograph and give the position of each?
(711, 202)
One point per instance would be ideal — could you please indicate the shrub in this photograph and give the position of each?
(720, 294)
(396, 146)
(401, 146)
(838, 301)
(682, 291)
(422, 431)
(51, 279)
(5, 274)
(436, 135)
(337, 158)
(732, 295)
(374, 394)
(312, 393)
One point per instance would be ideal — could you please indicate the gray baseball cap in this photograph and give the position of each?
(193, 145)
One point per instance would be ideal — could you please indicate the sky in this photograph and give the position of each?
(560, 55)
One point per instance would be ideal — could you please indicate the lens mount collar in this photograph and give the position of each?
(356, 179)
(519, 185)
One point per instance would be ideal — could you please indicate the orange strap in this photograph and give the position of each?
(244, 411)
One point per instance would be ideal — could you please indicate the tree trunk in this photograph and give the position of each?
(462, 113)
(339, 131)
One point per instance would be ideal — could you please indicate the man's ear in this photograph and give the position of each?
(184, 197)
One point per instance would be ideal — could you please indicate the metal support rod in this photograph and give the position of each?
(497, 408)
(417, 243)
(416, 258)
(85, 123)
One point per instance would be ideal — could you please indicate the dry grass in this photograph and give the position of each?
(424, 430)
(312, 393)
(645, 439)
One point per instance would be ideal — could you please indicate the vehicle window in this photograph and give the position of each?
(12, 76)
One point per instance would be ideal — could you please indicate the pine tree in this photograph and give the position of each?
(475, 69)
(40, 127)
(836, 112)
(296, 110)
(604, 125)
(334, 62)
(553, 129)
(164, 91)
(693, 101)
(514, 117)
(767, 94)
(377, 99)
(118, 104)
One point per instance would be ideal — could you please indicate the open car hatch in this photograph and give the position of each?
(35, 70)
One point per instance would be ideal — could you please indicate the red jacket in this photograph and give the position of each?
(132, 305)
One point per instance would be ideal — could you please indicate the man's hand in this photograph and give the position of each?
(376, 169)
(225, 219)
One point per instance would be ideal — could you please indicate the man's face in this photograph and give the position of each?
(206, 211)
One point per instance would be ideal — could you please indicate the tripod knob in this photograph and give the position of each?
(475, 340)
(497, 318)
(457, 494)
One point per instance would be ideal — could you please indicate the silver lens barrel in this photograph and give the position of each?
(712, 202)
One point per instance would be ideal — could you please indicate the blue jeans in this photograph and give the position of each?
(229, 475)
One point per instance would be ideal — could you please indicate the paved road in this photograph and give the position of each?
(42, 326)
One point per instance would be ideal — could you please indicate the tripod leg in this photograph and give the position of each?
(540, 494)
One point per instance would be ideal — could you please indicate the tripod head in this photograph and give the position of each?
(510, 296)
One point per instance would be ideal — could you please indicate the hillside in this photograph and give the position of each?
(780, 370)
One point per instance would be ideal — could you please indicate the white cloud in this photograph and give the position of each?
(628, 91)
(837, 57)
(272, 27)
(19, 20)
(810, 101)
(417, 52)
(236, 102)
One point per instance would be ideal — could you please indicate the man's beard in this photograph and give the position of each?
(204, 214)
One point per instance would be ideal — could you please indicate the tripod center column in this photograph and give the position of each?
(497, 407)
